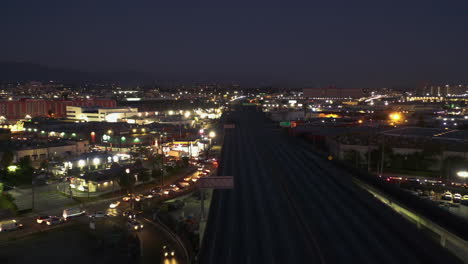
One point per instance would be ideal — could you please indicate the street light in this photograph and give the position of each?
(81, 164)
(463, 175)
(96, 162)
(395, 117)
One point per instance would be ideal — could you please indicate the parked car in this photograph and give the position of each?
(447, 196)
(457, 198)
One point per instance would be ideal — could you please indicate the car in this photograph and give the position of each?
(168, 253)
(98, 214)
(447, 196)
(126, 198)
(114, 204)
(166, 191)
(42, 219)
(183, 184)
(131, 214)
(54, 220)
(72, 212)
(156, 190)
(464, 200)
(177, 204)
(138, 197)
(134, 225)
(148, 195)
(207, 171)
(9, 225)
(457, 198)
(174, 187)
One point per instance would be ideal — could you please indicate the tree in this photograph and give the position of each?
(6, 202)
(138, 163)
(126, 181)
(44, 164)
(155, 160)
(25, 162)
(185, 161)
(7, 158)
(451, 165)
(144, 176)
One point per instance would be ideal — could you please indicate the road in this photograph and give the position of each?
(152, 237)
(289, 206)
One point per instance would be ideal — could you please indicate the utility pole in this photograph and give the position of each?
(383, 155)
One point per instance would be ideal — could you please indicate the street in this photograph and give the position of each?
(289, 206)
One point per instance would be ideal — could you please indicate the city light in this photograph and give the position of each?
(12, 168)
(81, 163)
(115, 158)
(187, 114)
(96, 161)
(395, 117)
(462, 174)
(212, 134)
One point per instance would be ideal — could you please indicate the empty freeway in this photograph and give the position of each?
(289, 206)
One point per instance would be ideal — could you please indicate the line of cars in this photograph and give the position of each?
(455, 198)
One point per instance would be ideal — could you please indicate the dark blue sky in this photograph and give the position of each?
(302, 43)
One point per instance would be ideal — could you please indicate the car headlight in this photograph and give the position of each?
(166, 254)
(135, 227)
(172, 253)
(141, 226)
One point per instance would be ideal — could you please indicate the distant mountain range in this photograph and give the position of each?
(24, 71)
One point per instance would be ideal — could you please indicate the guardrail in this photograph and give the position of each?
(447, 239)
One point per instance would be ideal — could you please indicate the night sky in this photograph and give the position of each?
(298, 43)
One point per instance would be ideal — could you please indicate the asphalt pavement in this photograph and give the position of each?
(290, 206)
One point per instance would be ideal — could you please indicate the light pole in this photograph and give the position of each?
(96, 162)
(463, 175)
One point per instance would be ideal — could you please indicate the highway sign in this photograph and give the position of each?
(216, 182)
(229, 126)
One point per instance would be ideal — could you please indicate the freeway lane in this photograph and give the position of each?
(288, 206)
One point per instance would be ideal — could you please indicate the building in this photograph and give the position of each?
(332, 92)
(100, 114)
(27, 108)
(38, 151)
